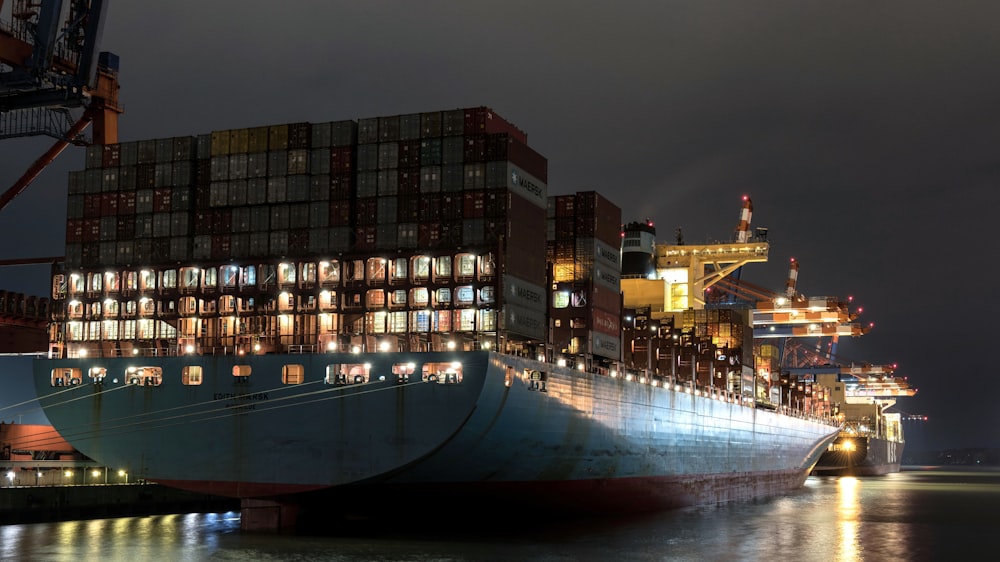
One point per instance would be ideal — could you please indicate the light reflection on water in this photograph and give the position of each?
(915, 515)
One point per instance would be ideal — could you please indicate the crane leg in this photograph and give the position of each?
(43, 161)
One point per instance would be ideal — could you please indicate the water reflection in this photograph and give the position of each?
(909, 516)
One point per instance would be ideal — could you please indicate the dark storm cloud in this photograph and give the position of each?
(866, 132)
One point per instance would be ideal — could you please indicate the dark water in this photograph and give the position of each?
(918, 514)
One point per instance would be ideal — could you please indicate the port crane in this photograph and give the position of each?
(54, 80)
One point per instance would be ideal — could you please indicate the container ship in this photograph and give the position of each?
(392, 315)
(871, 441)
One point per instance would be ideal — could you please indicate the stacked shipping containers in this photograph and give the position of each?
(427, 183)
(584, 250)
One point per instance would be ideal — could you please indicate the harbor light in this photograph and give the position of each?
(355, 349)
(189, 349)
(383, 346)
(331, 345)
(10, 476)
(579, 366)
(561, 362)
(451, 345)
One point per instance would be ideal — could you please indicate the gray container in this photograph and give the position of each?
(127, 178)
(388, 155)
(368, 130)
(279, 217)
(277, 163)
(219, 168)
(109, 179)
(108, 227)
(452, 177)
(163, 174)
(319, 214)
(409, 126)
(218, 194)
(241, 219)
(124, 256)
(298, 188)
(452, 150)
(180, 224)
(319, 188)
(319, 161)
(201, 248)
(260, 219)
(278, 243)
(475, 177)
(108, 252)
(238, 190)
(277, 189)
(430, 179)
(320, 135)
(128, 153)
(257, 191)
(367, 157)
(180, 249)
(298, 215)
(367, 185)
(298, 161)
(319, 240)
(204, 151)
(343, 133)
(144, 225)
(257, 165)
(387, 208)
(240, 245)
(161, 225)
(144, 201)
(388, 182)
(238, 166)
(341, 238)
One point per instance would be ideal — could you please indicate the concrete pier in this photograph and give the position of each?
(33, 504)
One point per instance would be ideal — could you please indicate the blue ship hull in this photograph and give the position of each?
(510, 428)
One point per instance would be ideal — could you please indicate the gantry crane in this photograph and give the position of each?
(54, 80)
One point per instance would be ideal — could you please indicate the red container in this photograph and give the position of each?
(364, 237)
(125, 228)
(451, 206)
(408, 182)
(408, 208)
(473, 204)
(340, 213)
(367, 210)
(161, 200)
(298, 240)
(606, 322)
(409, 154)
(92, 205)
(475, 148)
(430, 207)
(480, 120)
(74, 230)
(111, 157)
(109, 204)
(429, 235)
(222, 222)
(341, 186)
(91, 230)
(342, 159)
(221, 247)
(126, 203)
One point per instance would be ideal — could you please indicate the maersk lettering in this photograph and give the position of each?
(608, 254)
(526, 294)
(527, 184)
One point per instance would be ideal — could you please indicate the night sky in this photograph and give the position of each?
(866, 133)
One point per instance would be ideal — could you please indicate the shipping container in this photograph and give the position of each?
(299, 136)
(409, 126)
(238, 191)
(452, 177)
(129, 153)
(298, 188)
(368, 130)
(430, 124)
(388, 128)
(341, 238)
(184, 148)
(430, 152)
(277, 189)
(479, 120)
(343, 133)
(257, 191)
(277, 138)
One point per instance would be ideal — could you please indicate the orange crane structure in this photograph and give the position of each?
(54, 81)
